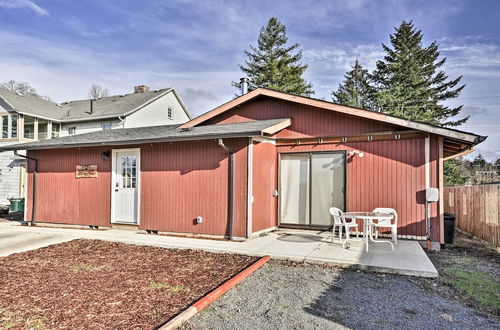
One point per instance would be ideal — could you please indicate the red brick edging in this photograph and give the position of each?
(213, 295)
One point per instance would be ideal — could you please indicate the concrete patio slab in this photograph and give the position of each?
(304, 246)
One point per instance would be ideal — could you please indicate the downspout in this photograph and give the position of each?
(35, 170)
(122, 121)
(231, 187)
(427, 159)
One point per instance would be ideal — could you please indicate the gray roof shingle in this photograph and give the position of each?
(110, 106)
(32, 105)
(152, 134)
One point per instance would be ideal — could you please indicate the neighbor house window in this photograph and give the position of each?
(106, 126)
(72, 130)
(13, 130)
(43, 129)
(4, 123)
(170, 113)
(29, 127)
(56, 128)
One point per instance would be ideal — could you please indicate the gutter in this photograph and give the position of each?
(126, 142)
(33, 210)
(231, 187)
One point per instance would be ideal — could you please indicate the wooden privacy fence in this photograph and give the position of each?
(477, 210)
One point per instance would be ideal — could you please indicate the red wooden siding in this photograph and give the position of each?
(391, 174)
(61, 197)
(179, 181)
(265, 205)
(183, 180)
(307, 121)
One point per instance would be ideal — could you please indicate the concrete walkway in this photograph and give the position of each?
(305, 246)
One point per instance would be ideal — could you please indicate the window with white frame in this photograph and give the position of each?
(4, 126)
(170, 113)
(72, 130)
(13, 128)
(56, 128)
(106, 126)
(29, 127)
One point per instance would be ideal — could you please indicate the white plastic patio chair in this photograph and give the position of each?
(386, 223)
(339, 220)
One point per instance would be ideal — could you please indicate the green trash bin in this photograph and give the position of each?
(16, 205)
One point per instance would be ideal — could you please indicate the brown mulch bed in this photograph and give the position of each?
(88, 284)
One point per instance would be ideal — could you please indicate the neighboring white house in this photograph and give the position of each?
(28, 118)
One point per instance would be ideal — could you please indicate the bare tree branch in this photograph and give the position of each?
(97, 91)
(21, 88)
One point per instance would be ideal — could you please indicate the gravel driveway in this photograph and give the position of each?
(281, 296)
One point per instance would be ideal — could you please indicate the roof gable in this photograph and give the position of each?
(80, 110)
(329, 106)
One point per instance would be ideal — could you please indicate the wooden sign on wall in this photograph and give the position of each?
(86, 171)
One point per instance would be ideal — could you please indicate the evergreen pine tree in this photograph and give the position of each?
(454, 174)
(274, 64)
(355, 90)
(410, 83)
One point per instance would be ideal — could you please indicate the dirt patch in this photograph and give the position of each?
(86, 284)
(469, 274)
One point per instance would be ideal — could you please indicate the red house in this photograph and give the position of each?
(262, 160)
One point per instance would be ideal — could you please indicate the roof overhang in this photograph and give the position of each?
(146, 135)
(454, 140)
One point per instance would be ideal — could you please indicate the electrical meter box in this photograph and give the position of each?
(432, 194)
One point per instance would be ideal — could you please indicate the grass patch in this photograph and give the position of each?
(9, 320)
(382, 322)
(156, 285)
(83, 268)
(479, 285)
(461, 260)
(176, 288)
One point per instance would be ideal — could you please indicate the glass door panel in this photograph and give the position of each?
(327, 186)
(294, 187)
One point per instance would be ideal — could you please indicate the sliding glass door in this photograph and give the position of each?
(311, 183)
(294, 184)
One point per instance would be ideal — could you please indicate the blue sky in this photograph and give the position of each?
(62, 46)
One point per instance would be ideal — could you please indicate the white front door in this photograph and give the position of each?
(125, 191)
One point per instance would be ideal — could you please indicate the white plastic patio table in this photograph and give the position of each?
(368, 217)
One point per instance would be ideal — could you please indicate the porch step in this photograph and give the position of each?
(125, 227)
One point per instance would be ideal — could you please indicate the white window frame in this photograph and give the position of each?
(7, 116)
(170, 113)
(71, 128)
(58, 131)
(113, 183)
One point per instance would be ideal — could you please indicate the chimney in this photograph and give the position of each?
(141, 89)
(244, 85)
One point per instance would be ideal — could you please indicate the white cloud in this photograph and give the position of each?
(24, 4)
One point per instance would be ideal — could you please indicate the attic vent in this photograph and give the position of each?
(186, 129)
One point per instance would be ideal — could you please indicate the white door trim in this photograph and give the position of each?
(113, 183)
